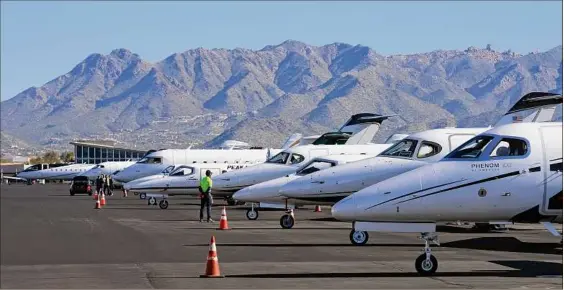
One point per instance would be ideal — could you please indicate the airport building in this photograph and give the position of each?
(94, 152)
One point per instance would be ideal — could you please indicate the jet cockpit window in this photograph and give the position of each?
(313, 167)
(337, 138)
(33, 168)
(403, 148)
(296, 158)
(428, 149)
(473, 148)
(167, 170)
(279, 158)
(182, 171)
(510, 147)
(150, 160)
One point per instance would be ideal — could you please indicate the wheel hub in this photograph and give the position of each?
(358, 236)
(427, 265)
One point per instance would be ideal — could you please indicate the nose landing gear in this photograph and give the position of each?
(426, 264)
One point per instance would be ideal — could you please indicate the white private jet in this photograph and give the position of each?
(106, 168)
(510, 173)
(331, 185)
(180, 180)
(266, 193)
(155, 162)
(354, 137)
(54, 171)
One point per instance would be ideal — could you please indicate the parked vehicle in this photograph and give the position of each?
(81, 184)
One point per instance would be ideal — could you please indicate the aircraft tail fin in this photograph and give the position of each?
(292, 141)
(363, 127)
(533, 107)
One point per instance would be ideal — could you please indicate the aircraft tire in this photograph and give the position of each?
(163, 204)
(358, 238)
(426, 267)
(252, 214)
(142, 195)
(287, 221)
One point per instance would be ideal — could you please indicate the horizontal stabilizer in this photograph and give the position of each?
(534, 107)
(363, 127)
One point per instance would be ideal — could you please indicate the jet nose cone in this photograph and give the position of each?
(345, 210)
(291, 189)
(243, 194)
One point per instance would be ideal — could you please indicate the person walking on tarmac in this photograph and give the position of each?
(110, 185)
(206, 196)
(99, 184)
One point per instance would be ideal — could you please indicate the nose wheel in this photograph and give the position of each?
(152, 201)
(252, 214)
(426, 264)
(163, 204)
(358, 237)
(142, 195)
(287, 221)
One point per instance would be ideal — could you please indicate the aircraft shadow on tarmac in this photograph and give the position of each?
(501, 244)
(521, 269)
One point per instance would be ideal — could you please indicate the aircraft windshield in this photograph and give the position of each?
(279, 158)
(167, 170)
(296, 158)
(182, 171)
(332, 139)
(313, 167)
(33, 168)
(150, 160)
(473, 148)
(403, 148)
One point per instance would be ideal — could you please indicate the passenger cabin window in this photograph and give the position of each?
(473, 148)
(314, 166)
(279, 158)
(510, 147)
(428, 149)
(403, 148)
(296, 158)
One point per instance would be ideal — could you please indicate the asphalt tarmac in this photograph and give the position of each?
(50, 239)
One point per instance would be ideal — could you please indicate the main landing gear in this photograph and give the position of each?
(426, 264)
(163, 203)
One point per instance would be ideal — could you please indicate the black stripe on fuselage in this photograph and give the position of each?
(163, 188)
(514, 173)
(535, 169)
(556, 166)
(421, 190)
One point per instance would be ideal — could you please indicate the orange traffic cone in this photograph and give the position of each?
(223, 221)
(212, 266)
(97, 204)
(317, 208)
(95, 196)
(103, 202)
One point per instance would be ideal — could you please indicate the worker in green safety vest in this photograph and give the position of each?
(206, 196)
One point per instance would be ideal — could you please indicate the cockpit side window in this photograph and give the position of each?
(296, 158)
(428, 149)
(279, 158)
(509, 147)
(150, 160)
(314, 166)
(473, 148)
(183, 171)
(403, 148)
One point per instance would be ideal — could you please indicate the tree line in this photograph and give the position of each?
(53, 157)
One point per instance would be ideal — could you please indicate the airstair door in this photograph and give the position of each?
(552, 170)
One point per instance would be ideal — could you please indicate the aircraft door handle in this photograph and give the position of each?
(320, 182)
(506, 194)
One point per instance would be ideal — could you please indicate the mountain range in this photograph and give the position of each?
(206, 96)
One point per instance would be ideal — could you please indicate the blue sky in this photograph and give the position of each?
(42, 40)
